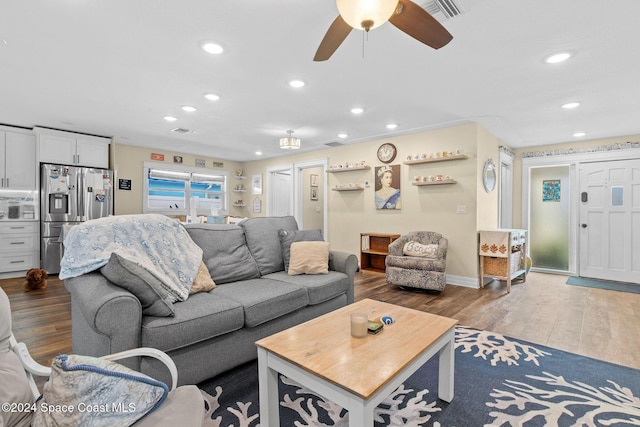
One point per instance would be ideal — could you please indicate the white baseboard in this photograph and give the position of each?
(467, 282)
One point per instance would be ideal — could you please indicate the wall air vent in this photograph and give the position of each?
(334, 144)
(181, 131)
(441, 9)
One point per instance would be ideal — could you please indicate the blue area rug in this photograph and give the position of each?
(604, 284)
(499, 381)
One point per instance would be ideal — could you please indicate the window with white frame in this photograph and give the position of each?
(169, 189)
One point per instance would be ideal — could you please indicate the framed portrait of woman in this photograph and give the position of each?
(387, 189)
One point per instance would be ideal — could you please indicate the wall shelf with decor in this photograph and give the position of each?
(353, 168)
(240, 177)
(436, 159)
(239, 191)
(374, 248)
(447, 181)
(239, 205)
(359, 188)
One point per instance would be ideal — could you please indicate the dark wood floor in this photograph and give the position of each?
(593, 322)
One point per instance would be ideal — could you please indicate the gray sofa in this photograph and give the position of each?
(213, 331)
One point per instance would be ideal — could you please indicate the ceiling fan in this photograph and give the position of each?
(369, 14)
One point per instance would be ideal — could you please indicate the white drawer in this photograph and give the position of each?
(18, 227)
(18, 243)
(18, 262)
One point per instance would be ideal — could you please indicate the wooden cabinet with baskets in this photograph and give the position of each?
(503, 255)
(374, 248)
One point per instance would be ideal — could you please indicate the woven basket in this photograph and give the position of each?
(494, 266)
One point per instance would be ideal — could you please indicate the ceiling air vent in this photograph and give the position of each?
(181, 131)
(441, 9)
(334, 144)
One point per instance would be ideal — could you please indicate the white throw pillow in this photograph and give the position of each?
(412, 248)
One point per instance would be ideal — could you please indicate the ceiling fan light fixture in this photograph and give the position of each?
(290, 143)
(366, 14)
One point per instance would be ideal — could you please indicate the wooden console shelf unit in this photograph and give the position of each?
(374, 248)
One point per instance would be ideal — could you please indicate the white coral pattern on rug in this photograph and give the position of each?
(580, 404)
(403, 407)
(496, 346)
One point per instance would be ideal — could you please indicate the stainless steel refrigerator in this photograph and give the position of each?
(69, 195)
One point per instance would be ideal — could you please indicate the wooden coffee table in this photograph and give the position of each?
(355, 373)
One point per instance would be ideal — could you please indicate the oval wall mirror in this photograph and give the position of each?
(489, 176)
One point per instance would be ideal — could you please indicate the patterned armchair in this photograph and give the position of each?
(424, 272)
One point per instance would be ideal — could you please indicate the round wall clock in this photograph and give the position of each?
(387, 153)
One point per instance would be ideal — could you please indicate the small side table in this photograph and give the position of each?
(502, 255)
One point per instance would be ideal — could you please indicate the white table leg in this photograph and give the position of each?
(446, 369)
(360, 413)
(268, 391)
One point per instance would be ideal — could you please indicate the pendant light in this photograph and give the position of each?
(290, 143)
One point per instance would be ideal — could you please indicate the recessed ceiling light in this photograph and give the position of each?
(557, 57)
(188, 108)
(392, 126)
(258, 153)
(212, 48)
(212, 96)
(343, 135)
(579, 134)
(296, 83)
(357, 110)
(170, 118)
(570, 105)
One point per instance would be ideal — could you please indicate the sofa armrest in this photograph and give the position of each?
(107, 310)
(345, 263)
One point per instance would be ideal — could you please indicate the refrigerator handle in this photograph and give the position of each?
(80, 190)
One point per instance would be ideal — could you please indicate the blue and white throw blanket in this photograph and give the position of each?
(155, 242)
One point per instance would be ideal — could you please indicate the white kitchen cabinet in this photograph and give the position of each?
(68, 148)
(17, 159)
(19, 249)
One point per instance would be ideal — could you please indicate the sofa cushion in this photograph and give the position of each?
(287, 237)
(203, 281)
(77, 381)
(202, 316)
(264, 242)
(153, 297)
(320, 288)
(309, 258)
(225, 252)
(265, 299)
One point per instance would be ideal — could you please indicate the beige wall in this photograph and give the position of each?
(127, 161)
(487, 211)
(423, 208)
(313, 210)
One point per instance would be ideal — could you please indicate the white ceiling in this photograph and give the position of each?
(116, 67)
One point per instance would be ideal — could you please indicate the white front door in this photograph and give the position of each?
(610, 220)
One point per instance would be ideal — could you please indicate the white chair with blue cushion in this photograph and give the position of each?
(100, 391)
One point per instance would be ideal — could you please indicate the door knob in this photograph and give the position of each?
(583, 225)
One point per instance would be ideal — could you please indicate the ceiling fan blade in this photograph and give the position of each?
(338, 31)
(419, 24)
